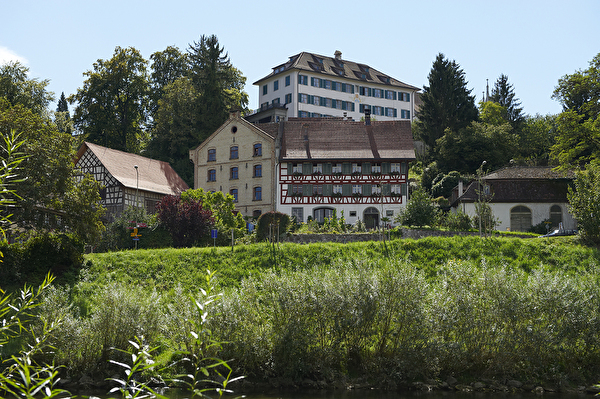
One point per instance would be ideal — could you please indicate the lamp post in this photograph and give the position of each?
(479, 205)
(137, 184)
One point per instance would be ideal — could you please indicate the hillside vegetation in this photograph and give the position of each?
(324, 314)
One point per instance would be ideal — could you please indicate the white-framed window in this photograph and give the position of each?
(336, 168)
(377, 93)
(316, 100)
(357, 189)
(327, 84)
(376, 189)
(303, 98)
(356, 167)
(395, 167)
(405, 114)
(318, 168)
(303, 79)
(376, 168)
(396, 189)
(297, 189)
(317, 189)
(297, 168)
(337, 188)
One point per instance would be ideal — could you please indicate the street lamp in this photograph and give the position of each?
(137, 184)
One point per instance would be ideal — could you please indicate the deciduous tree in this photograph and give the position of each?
(112, 105)
(18, 88)
(584, 201)
(187, 221)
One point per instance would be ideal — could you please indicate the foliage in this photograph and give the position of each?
(30, 261)
(186, 220)
(118, 233)
(9, 168)
(542, 227)
(167, 66)
(465, 149)
(578, 126)
(428, 175)
(456, 221)
(222, 208)
(503, 94)
(62, 118)
(270, 224)
(112, 105)
(52, 194)
(420, 210)
(18, 89)
(444, 184)
(447, 103)
(536, 140)
(584, 201)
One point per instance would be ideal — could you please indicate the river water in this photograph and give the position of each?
(376, 394)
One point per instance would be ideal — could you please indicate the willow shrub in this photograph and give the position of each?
(474, 320)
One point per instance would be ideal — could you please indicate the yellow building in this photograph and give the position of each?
(239, 159)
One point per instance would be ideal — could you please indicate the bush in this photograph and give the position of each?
(186, 220)
(420, 210)
(281, 221)
(456, 221)
(542, 227)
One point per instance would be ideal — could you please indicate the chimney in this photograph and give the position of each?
(460, 188)
(368, 116)
(338, 55)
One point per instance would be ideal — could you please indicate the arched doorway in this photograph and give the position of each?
(371, 217)
(319, 214)
(520, 218)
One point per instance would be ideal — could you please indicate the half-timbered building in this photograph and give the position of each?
(128, 179)
(310, 167)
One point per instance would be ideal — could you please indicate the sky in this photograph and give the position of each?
(533, 42)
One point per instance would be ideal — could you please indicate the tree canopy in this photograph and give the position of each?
(447, 103)
(578, 126)
(503, 93)
(112, 105)
(17, 88)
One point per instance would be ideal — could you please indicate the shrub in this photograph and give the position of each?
(542, 227)
(186, 221)
(456, 221)
(280, 221)
(420, 210)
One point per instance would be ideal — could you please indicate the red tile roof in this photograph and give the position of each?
(154, 176)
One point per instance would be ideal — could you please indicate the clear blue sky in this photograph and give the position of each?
(533, 42)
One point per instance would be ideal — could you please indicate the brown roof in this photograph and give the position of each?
(335, 138)
(154, 176)
(523, 184)
(336, 68)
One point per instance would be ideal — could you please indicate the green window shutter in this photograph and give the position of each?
(386, 189)
(403, 189)
(327, 169)
(366, 168)
(386, 167)
(290, 168)
(327, 189)
(307, 190)
(395, 113)
(320, 83)
(352, 88)
(352, 107)
(307, 168)
(346, 168)
(403, 168)
(299, 97)
(366, 189)
(394, 95)
(370, 92)
(346, 190)
(407, 96)
(289, 189)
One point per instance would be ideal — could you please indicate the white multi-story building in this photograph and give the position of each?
(310, 85)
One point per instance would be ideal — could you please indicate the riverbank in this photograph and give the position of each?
(407, 314)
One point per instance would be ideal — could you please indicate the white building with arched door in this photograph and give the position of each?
(521, 197)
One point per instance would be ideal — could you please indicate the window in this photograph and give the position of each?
(275, 101)
(395, 167)
(390, 95)
(353, 214)
(337, 188)
(303, 79)
(357, 189)
(257, 194)
(315, 82)
(288, 98)
(405, 114)
(287, 80)
(297, 189)
(212, 175)
(337, 86)
(376, 189)
(303, 98)
(377, 93)
(233, 173)
(233, 152)
(234, 192)
(403, 96)
(265, 89)
(298, 213)
(317, 190)
(257, 150)
(316, 100)
(318, 169)
(336, 168)
(356, 168)
(212, 155)
(264, 106)
(396, 189)
(327, 84)
(320, 214)
(297, 169)
(276, 85)
(391, 112)
(303, 114)
(375, 110)
(257, 172)
(376, 168)
(256, 213)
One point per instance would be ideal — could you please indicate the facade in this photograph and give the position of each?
(521, 197)
(128, 179)
(310, 167)
(238, 159)
(310, 85)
